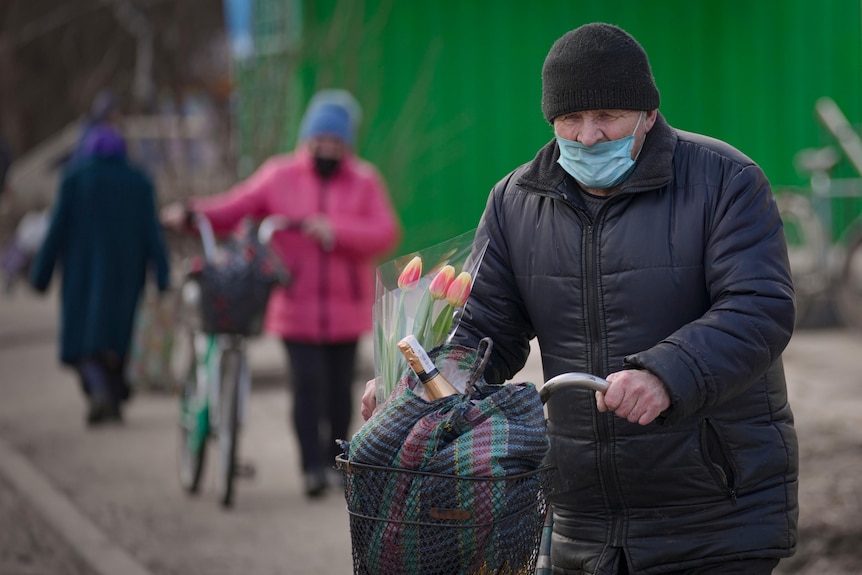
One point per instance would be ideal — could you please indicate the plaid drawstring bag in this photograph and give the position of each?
(493, 432)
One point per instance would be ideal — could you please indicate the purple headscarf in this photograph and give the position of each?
(104, 141)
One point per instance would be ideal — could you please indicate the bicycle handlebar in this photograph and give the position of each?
(268, 226)
(205, 229)
(271, 224)
(572, 379)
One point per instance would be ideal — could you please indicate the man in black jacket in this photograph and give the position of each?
(656, 259)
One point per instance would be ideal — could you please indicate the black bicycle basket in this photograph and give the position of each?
(419, 523)
(236, 286)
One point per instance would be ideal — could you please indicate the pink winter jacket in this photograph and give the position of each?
(331, 293)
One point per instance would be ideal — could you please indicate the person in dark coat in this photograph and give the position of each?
(6, 158)
(104, 235)
(656, 259)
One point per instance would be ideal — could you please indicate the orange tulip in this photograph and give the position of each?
(410, 274)
(440, 283)
(459, 289)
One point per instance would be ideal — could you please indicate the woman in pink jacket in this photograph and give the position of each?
(346, 223)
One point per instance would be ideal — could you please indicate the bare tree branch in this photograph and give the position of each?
(58, 18)
(139, 27)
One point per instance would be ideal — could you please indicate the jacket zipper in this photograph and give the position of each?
(598, 367)
(324, 265)
(593, 299)
(354, 281)
(722, 469)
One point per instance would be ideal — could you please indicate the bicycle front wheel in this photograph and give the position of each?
(228, 427)
(194, 421)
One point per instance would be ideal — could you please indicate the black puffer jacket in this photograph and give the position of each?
(682, 272)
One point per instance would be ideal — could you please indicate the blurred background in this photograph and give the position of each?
(450, 92)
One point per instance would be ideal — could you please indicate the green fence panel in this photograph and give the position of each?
(451, 89)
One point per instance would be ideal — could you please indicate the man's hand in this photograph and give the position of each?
(634, 394)
(369, 400)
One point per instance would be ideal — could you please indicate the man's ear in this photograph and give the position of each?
(650, 119)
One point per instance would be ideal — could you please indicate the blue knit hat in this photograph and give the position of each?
(331, 113)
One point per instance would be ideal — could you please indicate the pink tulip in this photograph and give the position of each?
(411, 273)
(459, 289)
(440, 283)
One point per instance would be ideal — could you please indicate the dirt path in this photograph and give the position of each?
(825, 385)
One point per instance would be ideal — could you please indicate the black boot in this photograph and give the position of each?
(104, 406)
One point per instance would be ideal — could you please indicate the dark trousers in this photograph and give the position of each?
(103, 376)
(619, 565)
(321, 380)
(743, 567)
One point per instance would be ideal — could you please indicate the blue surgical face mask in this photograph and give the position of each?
(602, 165)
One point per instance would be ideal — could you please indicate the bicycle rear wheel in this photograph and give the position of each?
(806, 247)
(228, 427)
(849, 293)
(194, 422)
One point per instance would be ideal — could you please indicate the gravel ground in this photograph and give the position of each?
(28, 544)
(826, 394)
(137, 503)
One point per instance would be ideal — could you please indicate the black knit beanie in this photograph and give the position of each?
(597, 66)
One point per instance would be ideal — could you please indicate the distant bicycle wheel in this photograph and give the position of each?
(228, 427)
(849, 293)
(194, 422)
(806, 249)
(187, 320)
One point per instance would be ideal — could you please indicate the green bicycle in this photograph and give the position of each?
(214, 375)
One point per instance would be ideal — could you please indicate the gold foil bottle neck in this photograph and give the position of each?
(436, 386)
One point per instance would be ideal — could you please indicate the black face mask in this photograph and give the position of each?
(326, 166)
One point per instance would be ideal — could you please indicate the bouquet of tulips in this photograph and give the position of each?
(421, 294)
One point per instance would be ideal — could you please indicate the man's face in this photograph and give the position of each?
(329, 147)
(591, 127)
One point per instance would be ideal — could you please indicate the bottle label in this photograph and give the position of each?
(427, 365)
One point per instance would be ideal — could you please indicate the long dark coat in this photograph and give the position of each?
(104, 233)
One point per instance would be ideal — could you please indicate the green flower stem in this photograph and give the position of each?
(423, 316)
(441, 326)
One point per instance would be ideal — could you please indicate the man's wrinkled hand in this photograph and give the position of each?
(636, 395)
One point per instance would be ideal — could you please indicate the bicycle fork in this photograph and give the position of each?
(212, 364)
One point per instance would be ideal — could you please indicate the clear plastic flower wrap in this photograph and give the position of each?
(423, 294)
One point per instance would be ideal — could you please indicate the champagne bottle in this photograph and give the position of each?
(436, 386)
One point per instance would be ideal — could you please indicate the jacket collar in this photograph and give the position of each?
(654, 166)
(303, 154)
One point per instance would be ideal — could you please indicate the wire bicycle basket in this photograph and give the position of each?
(236, 280)
(456, 486)
(413, 522)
